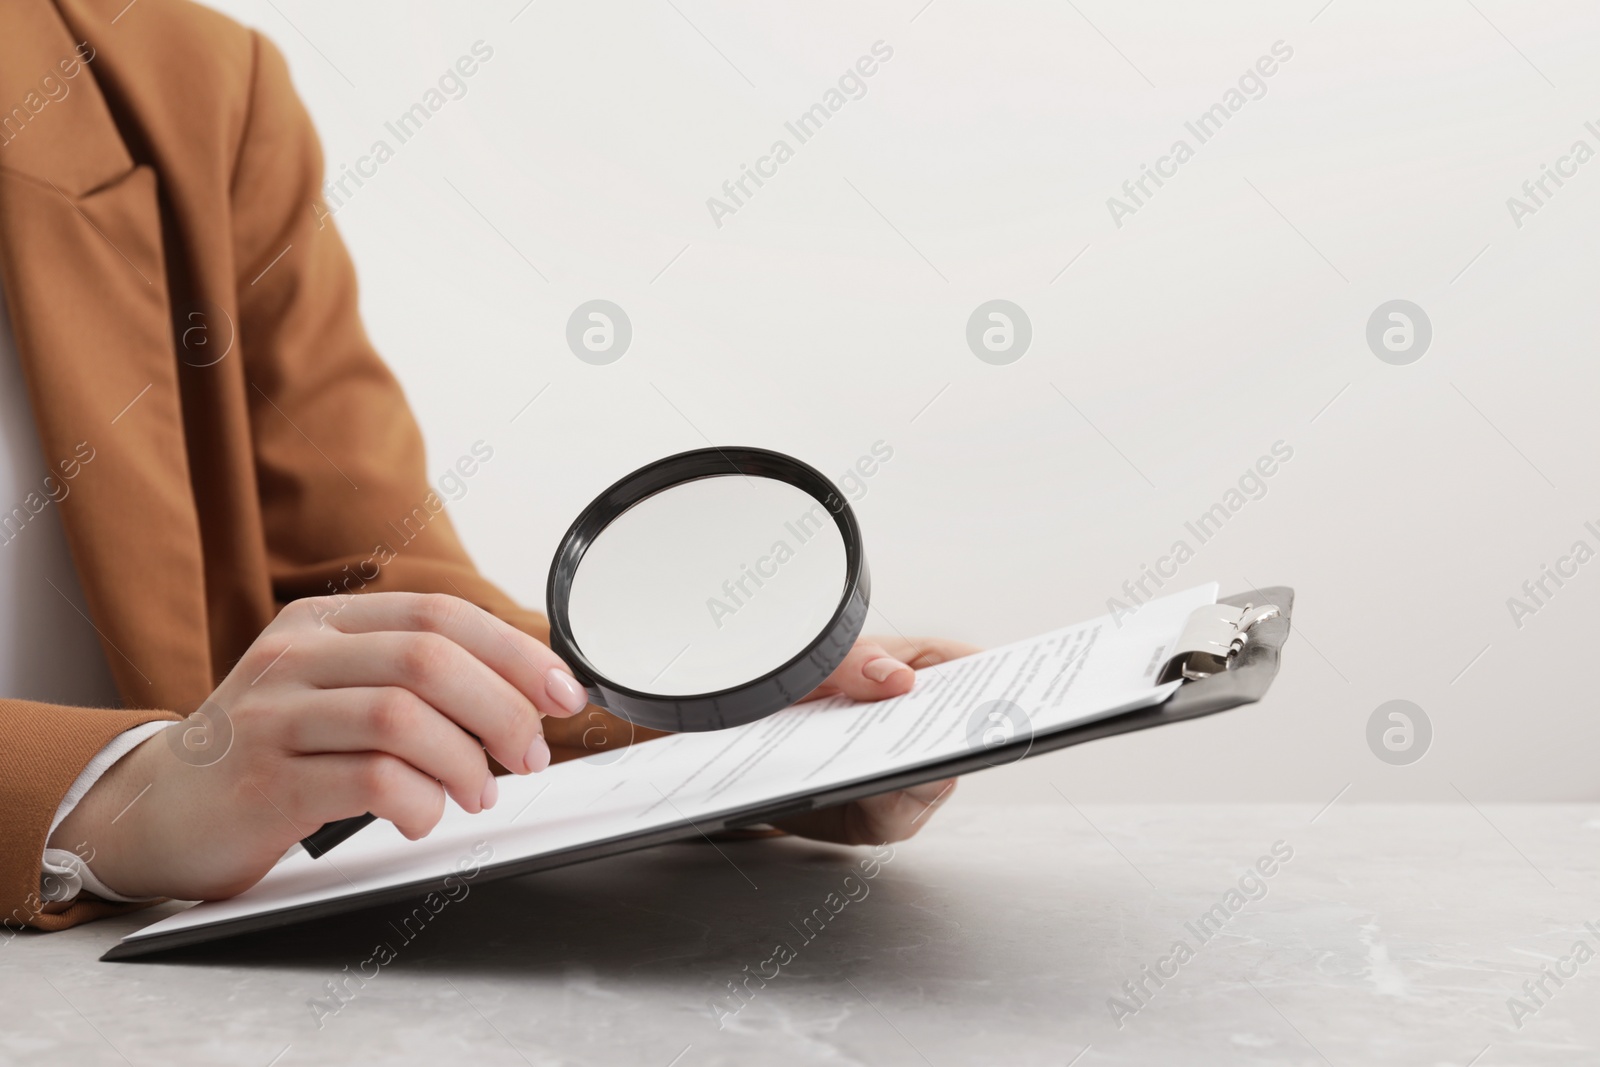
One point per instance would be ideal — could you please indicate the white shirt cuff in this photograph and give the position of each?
(63, 874)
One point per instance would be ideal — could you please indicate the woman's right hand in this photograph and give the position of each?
(381, 703)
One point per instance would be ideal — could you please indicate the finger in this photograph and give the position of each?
(899, 815)
(873, 820)
(596, 730)
(338, 785)
(519, 658)
(395, 721)
(930, 795)
(921, 652)
(446, 677)
(869, 672)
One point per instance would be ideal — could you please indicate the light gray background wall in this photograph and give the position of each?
(1229, 312)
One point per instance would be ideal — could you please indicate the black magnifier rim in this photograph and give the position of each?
(740, 704)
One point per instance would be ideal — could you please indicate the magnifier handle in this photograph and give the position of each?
(318, 844)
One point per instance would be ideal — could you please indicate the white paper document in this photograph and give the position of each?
(1059, 679)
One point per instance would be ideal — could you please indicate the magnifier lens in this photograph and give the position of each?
(707, 585)
(709, 589)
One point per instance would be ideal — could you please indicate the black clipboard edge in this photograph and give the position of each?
(1243, 683)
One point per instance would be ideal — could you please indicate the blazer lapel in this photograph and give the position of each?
(84, 277)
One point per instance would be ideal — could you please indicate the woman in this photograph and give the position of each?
(214, 447)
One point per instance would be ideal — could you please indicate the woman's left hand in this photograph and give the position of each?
(878, 668)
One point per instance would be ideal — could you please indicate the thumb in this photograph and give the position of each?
(869, 672)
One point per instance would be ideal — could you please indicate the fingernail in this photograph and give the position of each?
(538, 757)
(565, 690)
(879, 669)
(491, 794)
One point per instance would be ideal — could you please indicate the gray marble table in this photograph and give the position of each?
(1391, 934)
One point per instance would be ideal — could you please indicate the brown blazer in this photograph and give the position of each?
(158, 210)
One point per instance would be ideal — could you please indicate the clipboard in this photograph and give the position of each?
(1221, 668)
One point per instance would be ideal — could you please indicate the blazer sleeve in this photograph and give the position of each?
(45, 747)
(345, 497)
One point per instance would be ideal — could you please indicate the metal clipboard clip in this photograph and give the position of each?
(1214, 635)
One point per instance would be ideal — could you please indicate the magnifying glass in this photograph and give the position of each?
(709, 589)
(703, 591)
